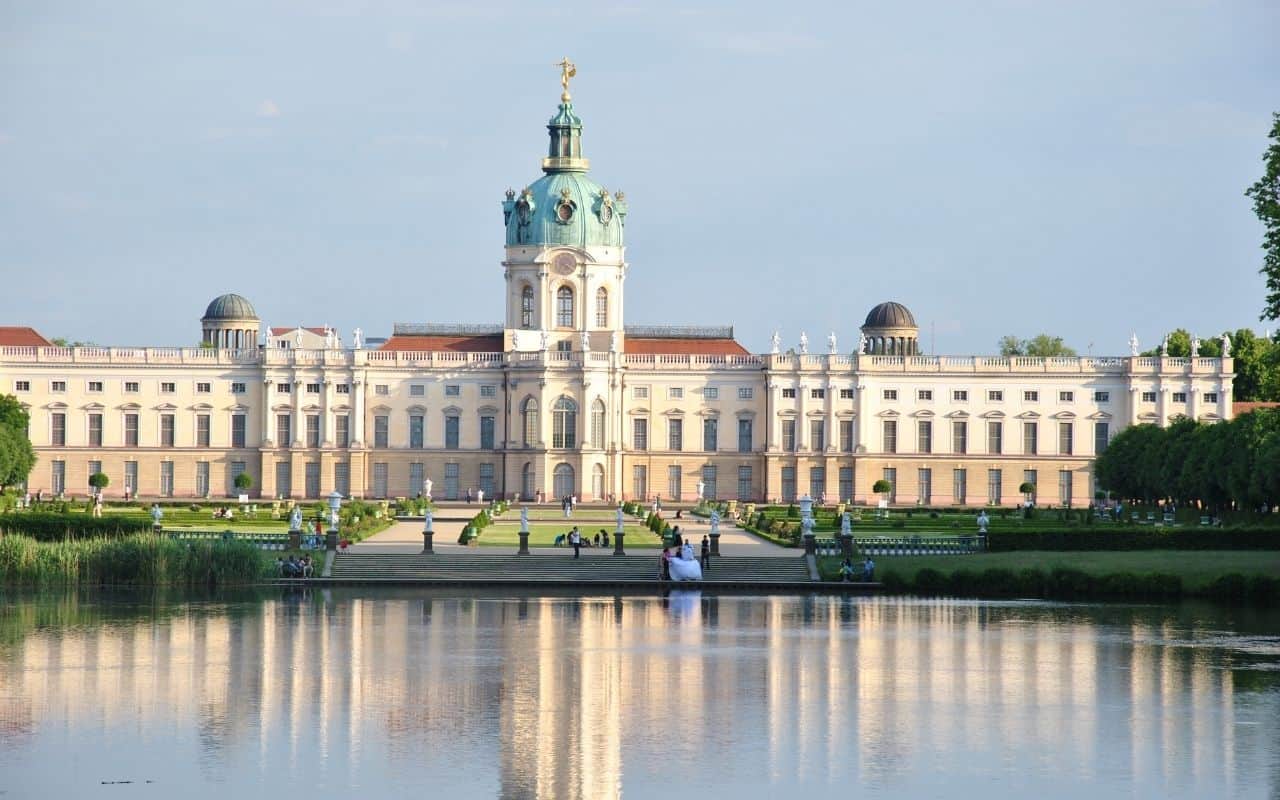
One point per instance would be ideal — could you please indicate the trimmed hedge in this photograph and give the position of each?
(60, 527)
(1137, 539)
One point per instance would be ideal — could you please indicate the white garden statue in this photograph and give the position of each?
(1226, 346)
(846, 528)
(775, 343)
(295, 518)
(355, 338)
(426, 488)
(831, 343)
(804, 343)
(862, 343)
(297, 337)
(1195, 346)
(1133, 344)
(983, 521)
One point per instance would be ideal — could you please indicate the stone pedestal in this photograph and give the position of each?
(846, 546)
(810, 545)
(715, 544)
(331, 539)
(617, 543)
(524, 544)
(427, 537)
(295, 540)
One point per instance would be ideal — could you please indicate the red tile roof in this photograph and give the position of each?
(488, 343)
(14, 336)
(702, 347)
(1245, 406)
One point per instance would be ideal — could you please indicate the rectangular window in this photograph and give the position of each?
(675, 434)
(710, 434)
(1066, 397)
(1148, 397)
(744, 436)
(22, 386)
(284, 429)
(311, 477)
(995, 438)
(380, 479)
(995, 396)
(130, 430)
(744, 484)
(202, 430)
(1179, 397)
(95, 430)
(59, 478)
(1101, 435)
(993, 487)
(891, 475)
(96, 386)
(204, 388)
(452, 426)
(381, 424)
(924, 394)
(789, 435)
(342, 478)
(640, 434)
(959, 436)
(166, 430)
(640, 392)
(890, 394)
(788, 484)
(131, 477)
(417, 390)
(817, 484)
(924, 436)
(817, 435)
(381, 389)
(58, 430)
(237, 388)
(745, 392)
(1030, 438)
(846, 394)
(788, 394)
(313, 430)
(488, 390)
(846, 485)
(924, 478)
(168, 387)
(959, 486)
(1102, 397)
(1211, 397)
(1031, 397)
(453, 390)
(416, 435)
(890, 436)
(710, 490)
(675, 393)
(674, 476)
(1064, 487)
(166, 479)
(1066, 438)
(342, 388)
(239, 423)
(58, 386)
(130, 387)
(960, 395)
(416, 475)
(284, 479)
(817, 394)
(1030, 476)
(846, 436)
(486, 483)
(486, 433)
(710, 393)
(639, 482)
(284, 388)
(342, 430)
(313, 388)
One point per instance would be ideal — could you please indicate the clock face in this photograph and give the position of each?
(564, 263)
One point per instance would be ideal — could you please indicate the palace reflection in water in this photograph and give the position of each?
(502, 695)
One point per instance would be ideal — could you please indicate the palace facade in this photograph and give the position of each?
(562, 398)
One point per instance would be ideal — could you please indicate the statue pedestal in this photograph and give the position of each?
(295, 540)
(846, 546)
(810, 545)
(617, 544)
(427, 537)
(715, 544)
(331, 539)
(524, 544)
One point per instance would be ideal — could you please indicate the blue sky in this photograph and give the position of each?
(1000, 167)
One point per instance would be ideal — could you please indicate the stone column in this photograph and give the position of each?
(268, 420)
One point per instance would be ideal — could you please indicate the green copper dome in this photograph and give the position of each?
(564, 206)
(230, 306)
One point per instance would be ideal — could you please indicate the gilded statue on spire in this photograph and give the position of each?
(567, 70)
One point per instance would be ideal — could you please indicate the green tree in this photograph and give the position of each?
(1041, 346)
(1010, 346)
(1257, 361)
(244, 481)
(17, 457)
(1265, 195)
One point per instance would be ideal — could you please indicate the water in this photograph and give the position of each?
(505, 694)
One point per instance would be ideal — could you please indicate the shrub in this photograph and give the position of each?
(930, 581)
(793, 512)
(1137, 538)
(997, 582)
(47, 527)
(881, 486)
(99, 480)
(244, 481)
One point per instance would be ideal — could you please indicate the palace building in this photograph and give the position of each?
(563, 398)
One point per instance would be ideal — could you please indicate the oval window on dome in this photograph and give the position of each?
(564, 212)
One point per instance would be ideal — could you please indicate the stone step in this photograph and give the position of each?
(497, 567)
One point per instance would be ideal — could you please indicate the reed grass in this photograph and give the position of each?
(138, 560)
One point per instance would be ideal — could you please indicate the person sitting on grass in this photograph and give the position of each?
(308, 571)
(558, 541)
(604, 537)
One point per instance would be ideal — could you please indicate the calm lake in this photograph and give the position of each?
(446, 693)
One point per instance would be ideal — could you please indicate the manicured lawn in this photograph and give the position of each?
(1196, 567)
(204, 519)
(544, 534)
(553, 512)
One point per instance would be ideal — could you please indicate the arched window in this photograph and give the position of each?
(564, 307)
(602, 308)
(597, 482)
(597, 423)
(530, 422)
(562, 477)
(526, 481)
(564, 423)
(526, 307)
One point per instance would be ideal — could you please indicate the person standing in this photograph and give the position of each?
(706, 554)
(868, 570)
(575, 539)
(664, 564)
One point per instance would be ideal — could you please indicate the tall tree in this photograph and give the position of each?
(17, 457)
(1042, 346)
(1265, 195)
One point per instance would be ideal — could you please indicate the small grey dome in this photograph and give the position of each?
(890, 315)
(230, 306)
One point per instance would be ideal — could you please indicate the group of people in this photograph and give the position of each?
(295, 567)
(224, 512)
(567, 504)
(682, 564)
(866, 571)
(577, 541)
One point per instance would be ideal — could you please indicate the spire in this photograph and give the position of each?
(565, 151)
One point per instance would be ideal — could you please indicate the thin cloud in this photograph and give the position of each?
(268, 108)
